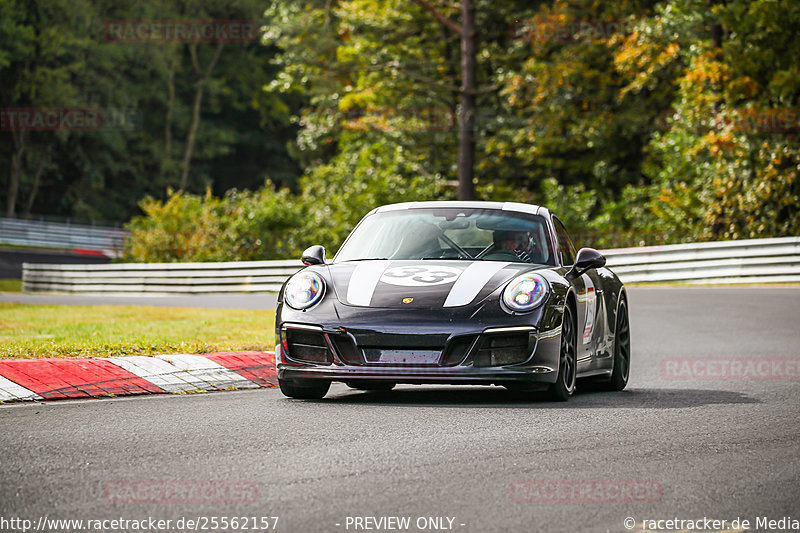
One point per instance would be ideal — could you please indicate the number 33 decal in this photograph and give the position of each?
(420, 276)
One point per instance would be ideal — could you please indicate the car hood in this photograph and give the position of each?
(420, 284)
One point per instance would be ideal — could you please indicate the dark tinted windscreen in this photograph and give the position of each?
(450, 233)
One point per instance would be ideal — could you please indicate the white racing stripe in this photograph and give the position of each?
(471, 281)
(363, 282)
(10, 391)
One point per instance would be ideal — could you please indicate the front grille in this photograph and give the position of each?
(499, 350)
(307, 346)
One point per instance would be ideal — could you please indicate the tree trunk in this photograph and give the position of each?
(466, 126)
(717, 227)
(192, 137)
(716, 28)
(167, 157)
(198, 102)
(15, 171)
(37, 180)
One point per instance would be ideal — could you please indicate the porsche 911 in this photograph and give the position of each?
(465, 293)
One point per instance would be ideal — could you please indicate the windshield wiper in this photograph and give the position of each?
(366, 259)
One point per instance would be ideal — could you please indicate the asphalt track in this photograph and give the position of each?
(714, 448)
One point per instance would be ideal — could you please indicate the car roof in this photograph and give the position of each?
(505, 206)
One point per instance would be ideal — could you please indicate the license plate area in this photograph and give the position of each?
(400, 357)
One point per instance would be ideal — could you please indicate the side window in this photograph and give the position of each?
(565, 246)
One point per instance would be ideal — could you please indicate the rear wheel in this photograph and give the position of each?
(371, 385)
(622, 351)
(304, 389)
(564, 386)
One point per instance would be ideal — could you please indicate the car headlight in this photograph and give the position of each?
(525, 292)
(304, 290)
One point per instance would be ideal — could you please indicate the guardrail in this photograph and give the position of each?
(750, 261)
(724, 262)
(159, 278)
(42, 234)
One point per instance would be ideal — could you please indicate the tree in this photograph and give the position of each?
(38, 70)
(467, 110)
(726, 165)
(217, 128)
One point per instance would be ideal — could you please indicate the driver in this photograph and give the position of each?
(521, 243)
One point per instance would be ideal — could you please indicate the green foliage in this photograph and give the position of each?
(727, 164)
(555, 126)
(57, 54)
(637, 121)
(242, 225)
(274, 224)
(338, 194)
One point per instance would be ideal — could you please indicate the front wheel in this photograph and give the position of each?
(304, 389)
(622, 351)
(564, 386)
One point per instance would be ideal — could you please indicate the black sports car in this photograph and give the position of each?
(453, 292)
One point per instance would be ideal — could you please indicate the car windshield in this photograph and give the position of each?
(450, 233)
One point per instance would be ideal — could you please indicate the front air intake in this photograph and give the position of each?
(307, 346)
(500, 350)
(346, 348)
(457, 350)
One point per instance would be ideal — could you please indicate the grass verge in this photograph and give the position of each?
(32, 331)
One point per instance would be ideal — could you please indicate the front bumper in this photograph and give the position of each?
(467, 356)
(480, 344)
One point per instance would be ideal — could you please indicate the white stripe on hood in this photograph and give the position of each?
(471, 281)
(364, 280)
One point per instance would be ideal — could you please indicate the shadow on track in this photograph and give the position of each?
(499, 397)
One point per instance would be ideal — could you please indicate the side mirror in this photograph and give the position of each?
(588, 258)
(315, 255)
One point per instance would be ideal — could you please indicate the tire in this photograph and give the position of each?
(622, 351)
(304, 389)
(562, 389)
(371, 385)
